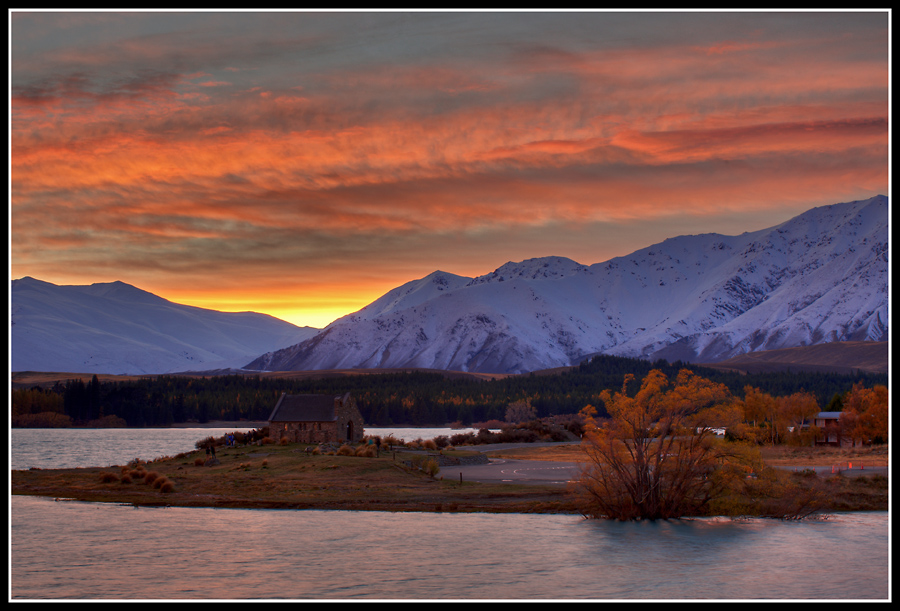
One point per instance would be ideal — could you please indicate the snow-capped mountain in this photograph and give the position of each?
(118, 328)
(820, 277)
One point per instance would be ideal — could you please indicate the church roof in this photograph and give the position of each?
(304, 408)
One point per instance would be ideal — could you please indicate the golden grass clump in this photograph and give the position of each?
(126, 479)
(167, 485)
(268, 441)
(199, 462)
(390, 441)
(284, 441)
(429, 444)
(431, 467)
(108, 478)
(151, 477)
(366, 451)
(265, 463)
(346, 450)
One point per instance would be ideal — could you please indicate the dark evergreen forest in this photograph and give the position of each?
(409, 399)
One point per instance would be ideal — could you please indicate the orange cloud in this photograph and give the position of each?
(680, 146)
(315, 161)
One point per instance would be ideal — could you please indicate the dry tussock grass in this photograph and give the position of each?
(151, 477)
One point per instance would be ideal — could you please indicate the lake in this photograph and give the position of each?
(70, 551)
(75, 447)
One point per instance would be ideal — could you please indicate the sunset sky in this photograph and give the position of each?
(302, 164)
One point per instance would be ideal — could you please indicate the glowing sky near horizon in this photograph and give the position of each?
(302, 164)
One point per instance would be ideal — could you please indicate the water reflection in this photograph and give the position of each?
(81, 550)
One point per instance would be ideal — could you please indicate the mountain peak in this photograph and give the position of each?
(121, 291)
(540, 268)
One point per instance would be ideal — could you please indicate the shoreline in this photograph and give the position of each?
(219, 424)
(288, 477)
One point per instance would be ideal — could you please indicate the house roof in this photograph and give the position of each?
(304, 408)
(829, 415)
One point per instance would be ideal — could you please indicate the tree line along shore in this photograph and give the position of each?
(410, 398)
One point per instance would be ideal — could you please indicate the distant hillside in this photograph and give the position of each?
(117, 328)
(835, 357)
(48, 379)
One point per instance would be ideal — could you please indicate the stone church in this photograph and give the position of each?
(316, 419)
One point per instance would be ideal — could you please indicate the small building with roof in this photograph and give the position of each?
(829, 428)
(316, 419)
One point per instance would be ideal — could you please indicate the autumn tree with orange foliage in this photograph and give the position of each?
(776, 420)
(762, 421)
(657, 456)
(799, 410)
(865, 414)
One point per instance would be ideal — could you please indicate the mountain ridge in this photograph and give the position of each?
(819, 277)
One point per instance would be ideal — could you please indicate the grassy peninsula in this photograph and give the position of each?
(279, 476)
(287, 477)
